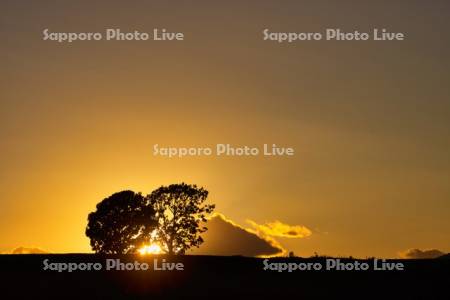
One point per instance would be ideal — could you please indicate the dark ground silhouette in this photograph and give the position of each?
(216, 277)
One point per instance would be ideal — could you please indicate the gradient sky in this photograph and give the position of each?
(370, 121)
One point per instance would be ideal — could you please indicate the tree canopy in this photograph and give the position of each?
(122, 223)
(180, 212)
(171, 216)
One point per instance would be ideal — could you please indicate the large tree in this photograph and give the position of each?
(122, 223)
(181, 213)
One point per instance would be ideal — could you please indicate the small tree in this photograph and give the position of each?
(122, 223)
(180, 210)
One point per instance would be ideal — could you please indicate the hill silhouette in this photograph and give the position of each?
(217, 277)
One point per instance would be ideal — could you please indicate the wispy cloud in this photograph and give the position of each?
(279, 229)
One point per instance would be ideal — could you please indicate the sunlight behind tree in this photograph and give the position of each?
(150, 249)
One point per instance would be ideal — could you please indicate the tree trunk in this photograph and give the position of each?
(170, 247)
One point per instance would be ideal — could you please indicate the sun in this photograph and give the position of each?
(150, 249)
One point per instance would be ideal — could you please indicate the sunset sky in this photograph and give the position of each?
(369, 121)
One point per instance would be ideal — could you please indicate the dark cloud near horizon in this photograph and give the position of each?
(227, 238)
(27, 250)
(421, 254)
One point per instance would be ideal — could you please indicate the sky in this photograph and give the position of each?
(369, 121)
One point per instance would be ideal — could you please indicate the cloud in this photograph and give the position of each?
(279, 229)
(26, 250)
(224, 237)
(421, 254)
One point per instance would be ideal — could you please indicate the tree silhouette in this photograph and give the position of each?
(122, 223)
(180, 211)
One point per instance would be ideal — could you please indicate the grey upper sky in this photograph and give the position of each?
(370, 121)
